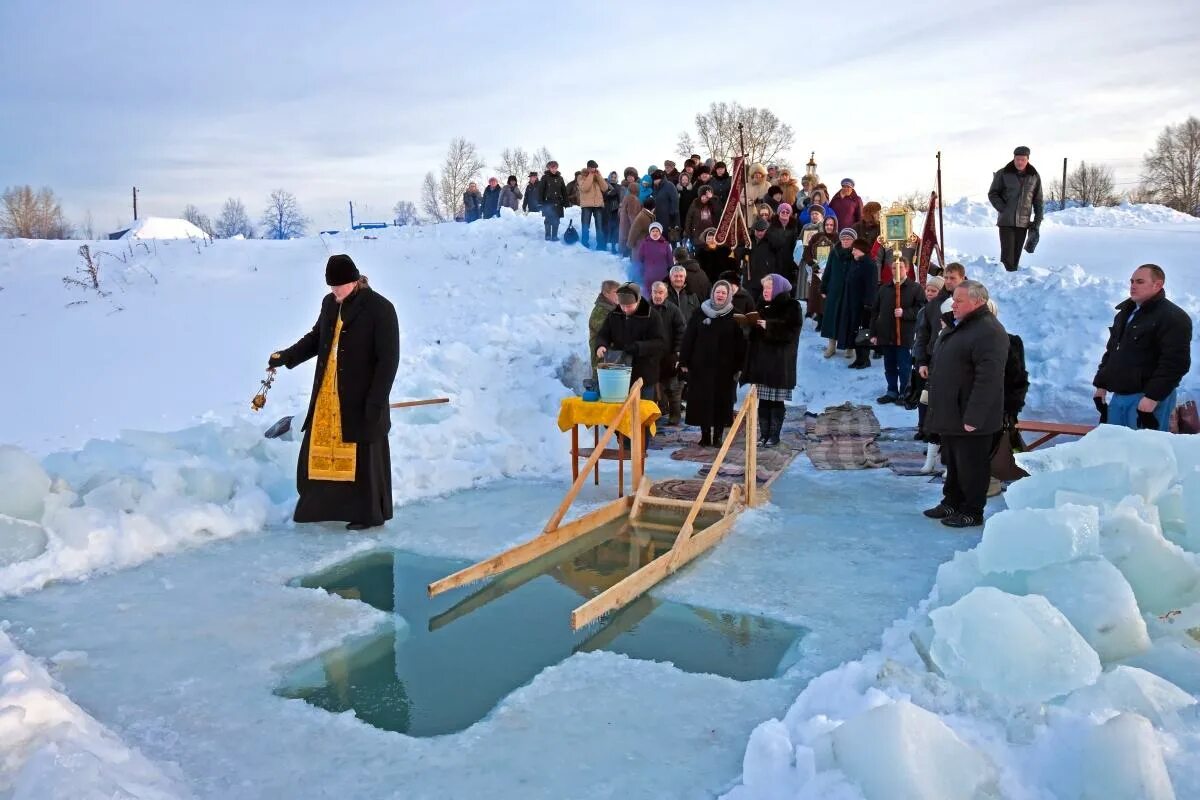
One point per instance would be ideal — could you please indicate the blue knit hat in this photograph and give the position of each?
(848, 182)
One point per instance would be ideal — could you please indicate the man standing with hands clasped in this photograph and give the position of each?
(1016, 193)
(1148, 354)
(966, 403)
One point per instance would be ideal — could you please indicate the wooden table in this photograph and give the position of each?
(1051, 430)
(575, 411)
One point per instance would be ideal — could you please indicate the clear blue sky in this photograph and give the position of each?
(196, 102)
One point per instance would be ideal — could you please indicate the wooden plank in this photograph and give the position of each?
(623, 622)
(622, 594)
(561, 511)
(688, 524)
(643, 492)
(636, 440)
(670, 502)
(1068, 428)
(412, 403)
(656, 526)
(524, 553)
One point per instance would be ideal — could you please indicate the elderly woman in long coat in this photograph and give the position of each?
(833, 288)
(345, 471)
(771, 358)
(711, 355)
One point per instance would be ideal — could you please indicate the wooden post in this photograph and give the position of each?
(1064, 186)
(135, 204)
(752, 447)
(574, 452)
(941, 238)
(636, 444)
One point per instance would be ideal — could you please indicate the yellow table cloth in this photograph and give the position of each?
(577, 411)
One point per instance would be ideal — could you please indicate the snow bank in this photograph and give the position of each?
(994, 686)
(52, 748)
(163, 228)
(1126, 215)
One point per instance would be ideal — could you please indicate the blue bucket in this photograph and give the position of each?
(614, 383)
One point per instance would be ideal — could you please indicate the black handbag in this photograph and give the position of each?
(570, 236)
(863, 338)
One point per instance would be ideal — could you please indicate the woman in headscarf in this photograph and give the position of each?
(869, 230)
(833, 289)
(630, 208)
(687, 194)
(711, 355)
(818, 199)
(816, 253)
(771, 357)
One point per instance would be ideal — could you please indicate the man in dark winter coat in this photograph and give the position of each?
(491, 199)
(966, 403)
(1147, 355)
(666, 205)
(344, 472)
(533, 200)
(931, 321)
(1016, 193)
(681, 294)
(764, 258)
(698, 283)
(855, 312)
(552, 190)
(612, 212)
(634, 329)
(893, 325)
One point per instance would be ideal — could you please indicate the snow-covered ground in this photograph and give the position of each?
(494, 318)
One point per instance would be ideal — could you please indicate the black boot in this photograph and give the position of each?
(705, 437)
(765, 421)
(776, 424)
(718, 437)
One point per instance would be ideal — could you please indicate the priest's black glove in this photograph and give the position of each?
(275, 361)
(1146, 420)
(1102, 407)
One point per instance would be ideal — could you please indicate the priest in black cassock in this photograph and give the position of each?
(345, 468)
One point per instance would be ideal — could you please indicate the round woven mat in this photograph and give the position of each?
(689, 489)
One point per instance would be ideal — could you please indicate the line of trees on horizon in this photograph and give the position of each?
(1170, 175)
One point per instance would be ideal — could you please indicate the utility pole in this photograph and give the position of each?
(941, 239)
(1064, 188)
(135, 204)
(351, 215)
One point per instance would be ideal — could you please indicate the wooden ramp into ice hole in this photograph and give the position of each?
(645, 509)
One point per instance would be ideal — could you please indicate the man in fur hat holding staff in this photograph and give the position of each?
(345, 468)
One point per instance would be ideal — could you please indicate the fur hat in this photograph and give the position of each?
(872, 206)
(340, 270)
(720, 165)
(534, 174)
(861, 244)
(936, 281)
(1021, 151)
(592, 164)
(758, 169)
(762, 225)
(775, 190)
(731, 277)
(628, 293)
(844, 232)
(657, 175)
(816, 208)
(703, 190)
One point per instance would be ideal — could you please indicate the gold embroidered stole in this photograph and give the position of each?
(330, 458)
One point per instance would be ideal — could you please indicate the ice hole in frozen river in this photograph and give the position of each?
(447, 661)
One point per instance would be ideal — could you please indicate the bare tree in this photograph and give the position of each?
(87, 228)
(540, 158)
(1091, 185)
(916, 200)
(199, 219)
(282, 218)
(405, 212)
(430, 202)
(462, 165)
(1141, 194)
(1054, 196)
(234, 221)
(717, 133)
(32, 215)
(513, 161)
(1172, 169)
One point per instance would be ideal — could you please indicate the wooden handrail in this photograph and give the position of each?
(635, 392)
(412, 403)
(685, 532)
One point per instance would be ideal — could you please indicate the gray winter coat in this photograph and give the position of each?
(1017, 196)
(966, 378)
(510, 197)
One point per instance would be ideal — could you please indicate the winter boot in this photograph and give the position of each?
(718, 437)
(765, 420)
(830, 348)
(705, 437)
(777, 415)
(933, 461)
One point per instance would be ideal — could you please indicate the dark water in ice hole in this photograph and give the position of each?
(449, 660)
